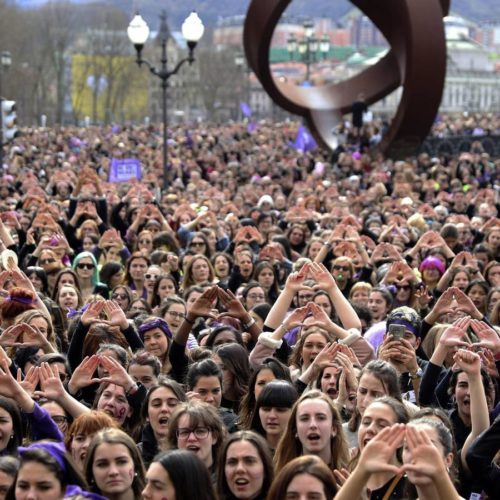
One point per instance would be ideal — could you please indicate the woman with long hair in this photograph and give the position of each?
(45, 471)
(161, 401)
(197, 427)
(314, 428)
(85, 266)
(272, 411)
(178, 474)
(113, 467)
(245, 468)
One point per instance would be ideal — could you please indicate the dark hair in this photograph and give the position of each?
(156, 299)
(276, 394)
(309, 464)
(42, 276)
(67, 475)
(188, 474)
(261, 310)
(10, 406)
(144, 358)
(280, 372)
(167, 383)
(120, 352)
(235, 359)
(209, 344)
(264, 454)
(60, 274)
(204, 368)
(109, 270)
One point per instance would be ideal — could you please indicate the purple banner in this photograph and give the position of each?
(123, 170)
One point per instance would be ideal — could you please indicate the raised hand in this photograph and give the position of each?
(295, 281)
(424, 460)
(323, 277)
(234, 307)
(468, 361)
(9, 337)
(320, 318)
(488, 337)
(454, 335)
(466, 305)
(91, 314)
(296, 318)
(30, 381)
(380, 451)
(203, 305)
(116, 373)
(51, 385)
(83, 375)
(115, 314)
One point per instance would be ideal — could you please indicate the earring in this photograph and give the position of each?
(135, 475)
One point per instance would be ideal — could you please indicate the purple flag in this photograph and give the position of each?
(304, 141)
(246, 109)
(123, 170)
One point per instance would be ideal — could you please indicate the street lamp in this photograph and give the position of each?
(5, 62)
(138, 33)
(308, 47)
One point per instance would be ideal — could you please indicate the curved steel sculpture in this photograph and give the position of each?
(414, 30)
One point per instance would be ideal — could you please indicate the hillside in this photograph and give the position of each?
(210, 10)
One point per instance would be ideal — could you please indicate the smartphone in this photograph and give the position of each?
(397, 332)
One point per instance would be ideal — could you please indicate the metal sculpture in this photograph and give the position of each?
(414, 30)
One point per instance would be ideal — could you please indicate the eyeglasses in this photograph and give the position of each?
(197, 244)
(60, 419)
(151, 276)
(145, 242)
(199, 432)
(256, 296)
(47, 261)
(140, 308)
(345, 269)
(403, 287)
(121, 296)
(176, 314)
(85, 266)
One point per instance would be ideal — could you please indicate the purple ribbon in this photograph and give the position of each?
(22, 300)
(155, 323)
(73, 312)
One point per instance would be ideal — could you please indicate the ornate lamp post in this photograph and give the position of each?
(138, 33)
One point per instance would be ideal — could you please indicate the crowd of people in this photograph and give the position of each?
(274, 324)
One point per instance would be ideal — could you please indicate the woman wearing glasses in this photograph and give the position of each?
(85, 266)
(197, 427)
(199, 244)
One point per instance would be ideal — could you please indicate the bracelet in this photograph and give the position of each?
(248, 325)
(187, 320)
(327, 245)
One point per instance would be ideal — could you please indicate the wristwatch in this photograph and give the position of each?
(417, 374)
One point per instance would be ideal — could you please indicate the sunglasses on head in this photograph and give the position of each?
(85, 266)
